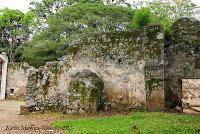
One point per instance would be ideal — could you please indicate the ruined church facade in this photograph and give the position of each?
(131, 70)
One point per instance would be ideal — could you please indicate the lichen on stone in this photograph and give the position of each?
(87, 87)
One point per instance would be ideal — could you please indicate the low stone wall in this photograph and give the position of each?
(17, 78)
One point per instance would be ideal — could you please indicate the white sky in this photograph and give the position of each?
(23, 5)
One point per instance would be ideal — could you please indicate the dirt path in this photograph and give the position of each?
(13, 123)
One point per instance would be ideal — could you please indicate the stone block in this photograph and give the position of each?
(156, 101)
(24, 110)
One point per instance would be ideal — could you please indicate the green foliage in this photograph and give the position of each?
(15, 28)
(173, 9)
(151, 85)
(143, 17)
(45, 8)
(69, 24)
(30, 19)
(168, 11)
(167, 25)
(115, 2)
(134, 123)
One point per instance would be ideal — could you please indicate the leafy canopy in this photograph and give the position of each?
(69, 24)
(15, 28)
(45, 8)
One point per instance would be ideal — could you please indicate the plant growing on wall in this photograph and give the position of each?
(143, 17)
(165, 12)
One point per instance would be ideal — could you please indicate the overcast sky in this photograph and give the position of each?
(24, 4)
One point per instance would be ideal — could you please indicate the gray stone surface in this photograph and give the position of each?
(17, 79)
(181, 59)
(130, 64)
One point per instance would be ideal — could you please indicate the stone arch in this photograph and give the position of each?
(86, 91)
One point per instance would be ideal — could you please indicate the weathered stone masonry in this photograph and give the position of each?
(130, 70)
(182, 58)
(127, 66)
(17, 78)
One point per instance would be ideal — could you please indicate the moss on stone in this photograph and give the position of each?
(151, 84)
(87, 87)
(120, 45)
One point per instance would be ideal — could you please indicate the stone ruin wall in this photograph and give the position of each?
(130, 65)
(182, 59)
(17, 78)
(136, 68)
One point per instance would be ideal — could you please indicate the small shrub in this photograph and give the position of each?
(143, 17)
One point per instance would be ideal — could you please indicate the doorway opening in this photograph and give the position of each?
(191, 94)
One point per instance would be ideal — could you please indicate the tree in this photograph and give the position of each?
(15, 28)
(45, 8)
(69, 24)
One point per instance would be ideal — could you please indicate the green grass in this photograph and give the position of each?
(139, 122)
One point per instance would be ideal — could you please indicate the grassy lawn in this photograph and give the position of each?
(139, 122)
